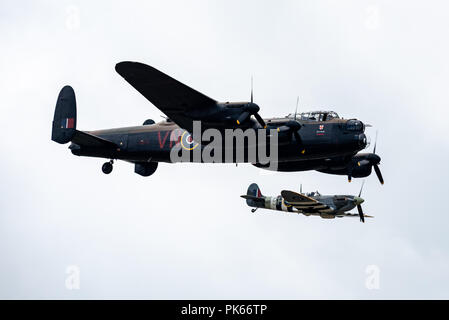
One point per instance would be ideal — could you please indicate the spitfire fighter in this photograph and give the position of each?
(313, 203)
(318, 140)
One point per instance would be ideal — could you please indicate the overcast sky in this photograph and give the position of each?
(184, 233)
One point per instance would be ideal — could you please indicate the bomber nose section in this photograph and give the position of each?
(358, 200)
(362, 140)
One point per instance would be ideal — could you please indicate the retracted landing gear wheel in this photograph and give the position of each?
(107, 167)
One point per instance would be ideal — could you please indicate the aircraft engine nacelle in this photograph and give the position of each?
(145, 169)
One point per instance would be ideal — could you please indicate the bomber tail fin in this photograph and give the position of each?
(64, 120)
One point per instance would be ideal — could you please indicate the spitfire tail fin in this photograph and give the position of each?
(254, 196)
(64, 120)
(253, 190)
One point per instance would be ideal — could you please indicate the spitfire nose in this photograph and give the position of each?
(358, 200)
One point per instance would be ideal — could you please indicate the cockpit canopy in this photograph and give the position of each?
(315, 116)
(314, 194)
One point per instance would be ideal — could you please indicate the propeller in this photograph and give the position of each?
(292, 126)
(297, 102)
(368, 159)
(361, 188)
(359, 201)
(251, 89)
(251, 109)
(376, 165)
(361, 215)
(375, 143)
(379, 175)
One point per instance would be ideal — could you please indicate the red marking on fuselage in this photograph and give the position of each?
(175, 137)
(162, 143)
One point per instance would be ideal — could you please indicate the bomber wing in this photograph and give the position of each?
(178, 101)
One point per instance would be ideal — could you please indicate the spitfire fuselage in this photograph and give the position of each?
(336, 203)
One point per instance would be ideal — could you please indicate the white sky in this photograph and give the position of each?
(184, 232)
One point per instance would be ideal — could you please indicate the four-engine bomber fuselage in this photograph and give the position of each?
(319, 140)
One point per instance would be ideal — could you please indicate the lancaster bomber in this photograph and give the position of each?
(313, 203)
(318, 140)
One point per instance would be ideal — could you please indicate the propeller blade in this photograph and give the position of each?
(243, 117)
(260, 120)
(296, 110)
(379, 175)
(361, 215)
(297, 137)
(251, 89)
(350, 173)
(361, 188)
(292, 128)
(375, 144)
(294, 125)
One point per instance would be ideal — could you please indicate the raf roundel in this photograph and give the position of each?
(187, 141)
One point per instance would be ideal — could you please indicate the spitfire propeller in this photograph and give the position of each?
(358, 200)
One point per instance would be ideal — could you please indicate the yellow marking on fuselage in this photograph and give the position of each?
(182, 143)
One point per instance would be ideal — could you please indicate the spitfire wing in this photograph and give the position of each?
(178, 101)
(301, 201)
